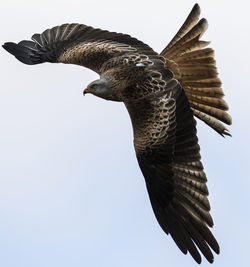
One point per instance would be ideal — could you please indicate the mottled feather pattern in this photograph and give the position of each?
(93, 54)
(131, 60)
(151, 83)
(158, 124)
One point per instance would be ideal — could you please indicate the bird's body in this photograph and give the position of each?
(162, 93)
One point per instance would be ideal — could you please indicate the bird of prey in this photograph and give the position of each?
(163, 94)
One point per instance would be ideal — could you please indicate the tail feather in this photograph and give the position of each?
(208, 83)
(215, 92)
(187, 25)
(196, 31)
(204, 53)
(209, 101)
(189, 46)
(214, 112)
(197, 73)
(212, 122)
(195, 68)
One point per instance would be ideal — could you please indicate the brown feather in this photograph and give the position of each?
(214, 112)
(189, 57)
(212, 82)
(197, 30)
(208, 101)
(205, 91)
(195, 68)
(187, 25)
(188, 47)
(212, 122)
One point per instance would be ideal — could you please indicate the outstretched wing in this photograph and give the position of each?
(76, 44)
(195, 68)
(167, 150)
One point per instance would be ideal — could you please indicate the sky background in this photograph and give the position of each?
(71, 192)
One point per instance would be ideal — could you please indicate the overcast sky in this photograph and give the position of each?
(71, 192)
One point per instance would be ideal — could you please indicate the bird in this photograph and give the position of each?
(164, 93)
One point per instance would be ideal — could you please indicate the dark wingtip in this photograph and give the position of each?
(225, 133)
(22, 51)
(198, 260)
(12, 48)
(9, 47)
(196, 8)
(4, 45)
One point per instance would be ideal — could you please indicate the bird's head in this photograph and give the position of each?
(101, 88)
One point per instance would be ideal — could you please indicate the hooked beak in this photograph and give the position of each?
(86, 91)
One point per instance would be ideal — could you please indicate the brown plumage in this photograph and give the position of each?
(195, 69)
(151, 86)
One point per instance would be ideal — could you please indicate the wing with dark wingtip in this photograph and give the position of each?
(195, 68)
(76, 44)
(169, 156)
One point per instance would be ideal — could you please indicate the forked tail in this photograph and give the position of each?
(194, 66)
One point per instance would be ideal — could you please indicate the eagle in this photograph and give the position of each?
(163, 93)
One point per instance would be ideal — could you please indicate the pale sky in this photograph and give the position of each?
(71, 192)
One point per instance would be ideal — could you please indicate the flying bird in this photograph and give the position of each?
(163, 94)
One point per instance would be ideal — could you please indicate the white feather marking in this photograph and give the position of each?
(140, 64)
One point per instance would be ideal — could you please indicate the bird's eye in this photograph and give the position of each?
(94, 86)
